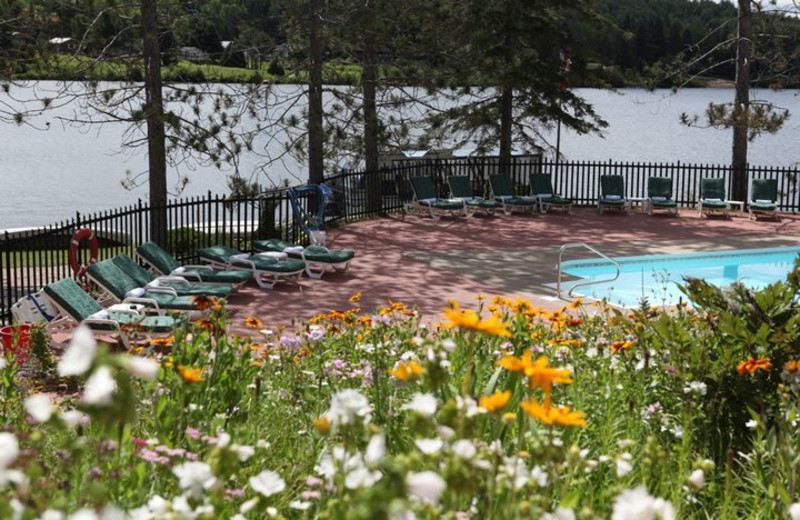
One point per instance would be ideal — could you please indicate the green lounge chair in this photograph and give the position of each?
(659, 196)
(612, 194)
(764, 198)
(181, 286)
(317, 259)
(75, 304)
(503, 192)
(121, 288)
(541, 186)
(713, 198)
(461, 188)
(267, 271)
(164, 263)
(426, 199)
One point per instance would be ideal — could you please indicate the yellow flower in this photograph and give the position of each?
(190, 374)
(355, 297)
(553, 415)
(576, 304)
(539, 374)
(252, 322)
(621, 345)
(407, 371)
(495, 402)
(471, 320)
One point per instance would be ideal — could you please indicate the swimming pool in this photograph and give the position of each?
(657, 277)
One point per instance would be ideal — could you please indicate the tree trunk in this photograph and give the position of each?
(316, 173)
(154, 114)
(369, 77)
(741, 108)
(506, 120)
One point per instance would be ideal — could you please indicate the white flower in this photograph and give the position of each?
(794, 511)
(361, 477)
(9, 449)
(637, 504)
(405, 514)
(449, 345)
(697, 479)
(243, 452)
(539, 475)
(83, 514)
(39, 407)
(194, 477)
(299, 505)
(2, 362)
(376, 449)
(426, 486)
(349, 407)
(248, 506)
(52, 514)
(515, 471)
(422, 404)
(158, 505)
(752, 424)
(469, 406)
(142, 367)
(696, 387)
(79, 355)
(561, 513)
(100, 387)
(464, 449)
(267, 483)
(623, 467)
(75, 418)
(429, 446)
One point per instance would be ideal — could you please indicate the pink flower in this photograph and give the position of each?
(193, 433)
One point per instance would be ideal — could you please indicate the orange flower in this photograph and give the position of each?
(792, 366)
(322, 424)
(252, 322)
(162, 342)
(471, 320)
(190, 374)
(621, 345)
(407, 371)
(752, 364)
(538, 373)
(355, 297)
(202, 302)
(495, 402)
(554, 415)
(206, 324)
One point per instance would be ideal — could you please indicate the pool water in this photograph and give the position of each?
(657, 277)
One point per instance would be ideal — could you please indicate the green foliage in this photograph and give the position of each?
(184, 242)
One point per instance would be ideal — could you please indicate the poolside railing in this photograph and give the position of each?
(30, 259)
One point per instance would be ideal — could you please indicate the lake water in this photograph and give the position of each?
(49, 173)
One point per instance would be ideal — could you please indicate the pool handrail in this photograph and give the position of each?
(582, 284)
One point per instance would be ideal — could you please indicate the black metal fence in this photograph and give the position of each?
(33, 258)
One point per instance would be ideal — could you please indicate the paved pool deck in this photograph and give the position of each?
(418, 261)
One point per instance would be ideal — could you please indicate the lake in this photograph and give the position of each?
(47, 173)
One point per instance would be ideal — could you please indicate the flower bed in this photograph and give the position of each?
(499, 411)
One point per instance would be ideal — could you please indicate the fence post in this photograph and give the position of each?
(5, 282)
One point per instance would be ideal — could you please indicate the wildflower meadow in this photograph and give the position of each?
(498, 410)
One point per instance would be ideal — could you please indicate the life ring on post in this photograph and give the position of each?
(94, 247)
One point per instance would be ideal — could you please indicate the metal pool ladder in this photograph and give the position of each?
(583, 284)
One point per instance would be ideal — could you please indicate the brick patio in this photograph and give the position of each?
(419, 261)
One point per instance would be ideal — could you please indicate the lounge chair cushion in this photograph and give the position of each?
(227, 255)
(143, 278)
(312, 253)
(114, 279)
(763, 206)
(714, 203)
(166, 264)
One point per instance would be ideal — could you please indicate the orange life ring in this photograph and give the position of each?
(94, 247)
